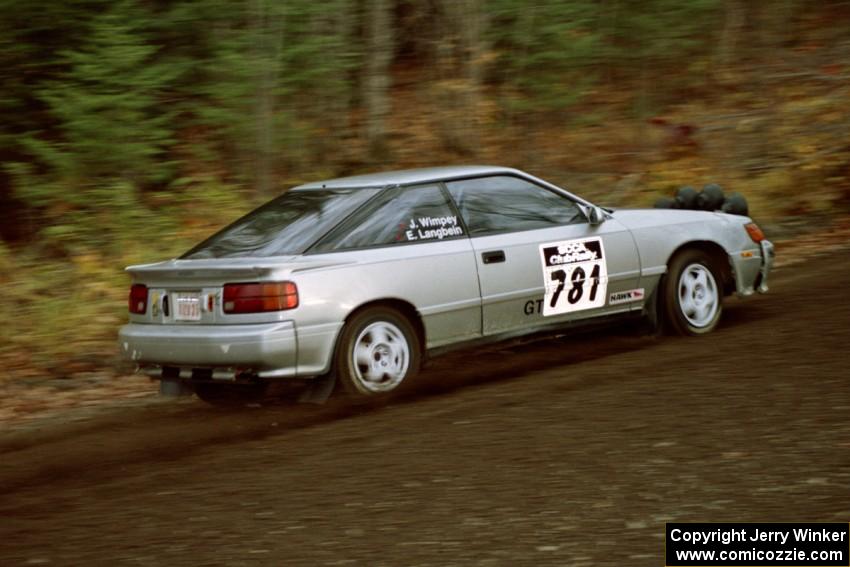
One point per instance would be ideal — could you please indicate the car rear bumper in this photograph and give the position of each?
(222, 351)
(752, 269)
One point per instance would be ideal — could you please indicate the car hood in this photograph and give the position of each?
(642, 218)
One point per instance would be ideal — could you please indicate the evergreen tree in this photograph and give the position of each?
(270, 85)
(107, 136)
(112, 121)
(547, 51)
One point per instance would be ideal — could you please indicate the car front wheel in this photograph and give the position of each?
(692, 295)
(378, 352)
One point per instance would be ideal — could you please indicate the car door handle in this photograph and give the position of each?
(493, 256)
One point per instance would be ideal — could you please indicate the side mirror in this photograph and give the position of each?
(595, 215)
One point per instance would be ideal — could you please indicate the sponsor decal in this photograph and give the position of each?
(626, 296)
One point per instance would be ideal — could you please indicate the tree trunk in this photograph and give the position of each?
(468, 19)
(734, 18)
(265, 62)
(376, 80)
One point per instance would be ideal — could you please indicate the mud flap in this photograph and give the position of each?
(319, 390)
(652, 317)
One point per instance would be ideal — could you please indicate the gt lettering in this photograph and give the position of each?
(533, 306)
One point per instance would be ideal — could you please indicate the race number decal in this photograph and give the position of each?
(574, 274)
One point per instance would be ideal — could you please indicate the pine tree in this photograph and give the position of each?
(112, 121)
(548, 50)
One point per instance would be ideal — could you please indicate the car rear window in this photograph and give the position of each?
(403, 215)
(286, 225)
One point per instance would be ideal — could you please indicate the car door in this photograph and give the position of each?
(539, 260)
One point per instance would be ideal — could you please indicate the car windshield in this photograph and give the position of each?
(286, 225)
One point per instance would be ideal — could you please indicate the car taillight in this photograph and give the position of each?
(756, 235)
(260, 297)
(138, 301)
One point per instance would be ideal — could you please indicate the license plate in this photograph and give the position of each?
(188, 307)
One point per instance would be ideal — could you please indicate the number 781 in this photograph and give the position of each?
(578, 278)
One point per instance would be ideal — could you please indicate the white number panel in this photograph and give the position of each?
(575, 275)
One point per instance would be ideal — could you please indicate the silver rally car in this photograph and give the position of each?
(358, 278)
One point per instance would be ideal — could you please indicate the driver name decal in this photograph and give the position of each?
(575, 275)
(432, 228)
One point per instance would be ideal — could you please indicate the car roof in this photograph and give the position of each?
(408, 176)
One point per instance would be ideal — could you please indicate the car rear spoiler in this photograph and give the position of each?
(177, 272)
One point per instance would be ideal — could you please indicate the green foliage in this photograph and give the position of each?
(647, 32)
(107, 136)
(32, 34)
(552, 52)
(267, 81)
(547, 50)
(109, 118)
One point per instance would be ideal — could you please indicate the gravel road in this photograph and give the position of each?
(566, 451)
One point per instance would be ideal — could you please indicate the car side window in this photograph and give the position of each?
(404, 215)
(503, 203)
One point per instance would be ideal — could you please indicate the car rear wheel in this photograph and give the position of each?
(692, 296)
(378, 352)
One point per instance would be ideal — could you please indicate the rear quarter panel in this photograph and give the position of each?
(438, 278)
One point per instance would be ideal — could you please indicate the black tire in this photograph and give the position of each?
(231, 395)
(686, 198)
(691, 300)
(664, 203)
(711, 197)
(378, 353)
(736, 204)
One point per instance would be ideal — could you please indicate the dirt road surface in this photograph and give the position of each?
(569, 451)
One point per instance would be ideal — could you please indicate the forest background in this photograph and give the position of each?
(133, 128)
